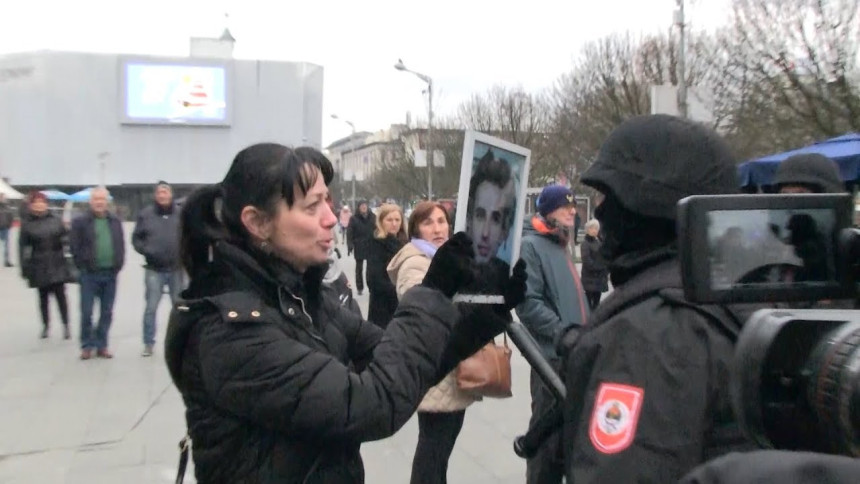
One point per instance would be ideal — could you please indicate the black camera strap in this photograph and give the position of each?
(183, 458)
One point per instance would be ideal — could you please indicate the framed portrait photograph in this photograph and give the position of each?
(491, 199)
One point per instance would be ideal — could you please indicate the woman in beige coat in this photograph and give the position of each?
(441, 412)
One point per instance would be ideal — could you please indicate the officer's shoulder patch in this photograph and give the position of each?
(615, 415)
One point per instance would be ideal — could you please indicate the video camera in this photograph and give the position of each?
(796, 377)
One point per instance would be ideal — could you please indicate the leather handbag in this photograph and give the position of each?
(487, 373)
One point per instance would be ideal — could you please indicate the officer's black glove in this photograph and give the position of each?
(567, 340)
(451, 267)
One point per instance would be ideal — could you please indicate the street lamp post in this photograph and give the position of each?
(429, 144)
(102, 156)
(682, 79)
(343, 161)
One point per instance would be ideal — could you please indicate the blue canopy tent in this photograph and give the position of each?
(55, 194)
(844, 150)
(83, 196)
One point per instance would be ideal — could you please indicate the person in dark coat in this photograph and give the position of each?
(7, 217)
(41, 246)
(595, 274)
(282, 384)
(647, 378)
(388, 239)
(358, 237)
(156, 238)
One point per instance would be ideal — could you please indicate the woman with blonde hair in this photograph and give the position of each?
(388, 238)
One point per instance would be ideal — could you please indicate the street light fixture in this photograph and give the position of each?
(342, 161)
(400, 66)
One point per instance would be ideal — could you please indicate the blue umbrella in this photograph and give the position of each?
(844, 150)
(55, 195)
(83, 196)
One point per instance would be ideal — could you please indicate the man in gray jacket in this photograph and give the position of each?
(156, 237)
(554, 303)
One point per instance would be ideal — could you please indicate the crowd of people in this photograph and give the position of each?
(283, 378)
(90, 251)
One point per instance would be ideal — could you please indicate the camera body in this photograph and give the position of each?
(796, 373)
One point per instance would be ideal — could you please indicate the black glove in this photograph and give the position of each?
(567, 340)
(478, 324)
(496, 278)
(451, 267)
(514, 288)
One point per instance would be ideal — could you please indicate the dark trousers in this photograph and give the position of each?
(59, 292)
(547, 466)
(359, 274)
(593, 298)
(437, 433)
(4, 238)
(99, 285)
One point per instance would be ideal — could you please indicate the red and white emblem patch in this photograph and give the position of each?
(616, 413)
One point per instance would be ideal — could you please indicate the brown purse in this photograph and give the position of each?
(487, 373)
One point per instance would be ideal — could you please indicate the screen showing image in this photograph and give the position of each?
(754, 247)
(492, 208)
(182, 94)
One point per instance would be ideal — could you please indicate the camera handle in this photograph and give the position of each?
(527, 445)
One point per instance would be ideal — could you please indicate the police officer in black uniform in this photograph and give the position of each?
(647, 379)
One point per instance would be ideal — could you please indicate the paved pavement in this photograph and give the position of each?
(68, 421)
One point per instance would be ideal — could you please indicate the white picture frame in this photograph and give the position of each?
(476, 146)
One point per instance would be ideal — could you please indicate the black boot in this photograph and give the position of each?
(44, 332)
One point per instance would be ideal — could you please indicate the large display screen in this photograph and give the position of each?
(165, 93)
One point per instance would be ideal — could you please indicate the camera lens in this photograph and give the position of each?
(833, 388)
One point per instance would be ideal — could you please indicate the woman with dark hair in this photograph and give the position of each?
(41, 246)
(281, 384)
(388, 238)
(443, 408)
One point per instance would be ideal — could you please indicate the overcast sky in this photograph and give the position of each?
(466, 46)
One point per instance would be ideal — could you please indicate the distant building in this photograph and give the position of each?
(71, 120)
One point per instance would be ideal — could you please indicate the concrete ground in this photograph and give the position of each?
(68, 421)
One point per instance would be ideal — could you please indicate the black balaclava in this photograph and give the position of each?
(632, 239)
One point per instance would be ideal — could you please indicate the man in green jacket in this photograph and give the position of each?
(554, 303)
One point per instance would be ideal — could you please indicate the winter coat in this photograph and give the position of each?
(359, 234)
(7, 215)
(282, 385)
(407, 269)
(782, 466)
(156, 237)
(83, 241)
(648, 381)
(595, 273)
(41, 246)
(383, 295)
(555, 299)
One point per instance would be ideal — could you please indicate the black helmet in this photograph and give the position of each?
(651, 162)
(817, 171)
